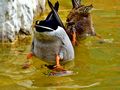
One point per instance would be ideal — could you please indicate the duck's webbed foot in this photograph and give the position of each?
(27, 64)
(56, 67)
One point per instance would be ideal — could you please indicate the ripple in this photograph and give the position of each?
(26, 83)
(77, 86)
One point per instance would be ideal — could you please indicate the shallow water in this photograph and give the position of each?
(96, 65)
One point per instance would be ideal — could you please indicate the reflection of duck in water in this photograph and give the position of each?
(50, 42)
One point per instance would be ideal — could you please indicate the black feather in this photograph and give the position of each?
(55, 14)
(76, 3)
(51, 22)
(50, 15)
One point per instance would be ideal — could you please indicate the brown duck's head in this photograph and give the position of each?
(79, 18)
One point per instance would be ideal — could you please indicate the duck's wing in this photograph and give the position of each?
(60, 33)
(55, 15)
(50, 15)
(66, 43)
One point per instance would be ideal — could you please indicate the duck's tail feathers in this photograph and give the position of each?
(55, 15)
(50, 15)
(76, 3)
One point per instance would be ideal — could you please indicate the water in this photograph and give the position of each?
(96, 65)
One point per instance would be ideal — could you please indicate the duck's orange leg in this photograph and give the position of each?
(29, 55)
(74, 38)
(58, 67)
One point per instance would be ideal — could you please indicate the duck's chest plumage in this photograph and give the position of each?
(47, 45)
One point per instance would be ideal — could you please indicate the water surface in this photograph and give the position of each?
(96, 65)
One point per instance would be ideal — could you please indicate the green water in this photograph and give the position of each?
(96, 65)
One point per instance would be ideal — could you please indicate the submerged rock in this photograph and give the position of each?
(16, 16)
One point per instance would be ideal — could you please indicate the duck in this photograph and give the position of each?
(79, 23)
(51, 42)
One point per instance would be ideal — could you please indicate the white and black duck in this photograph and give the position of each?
(51, 43)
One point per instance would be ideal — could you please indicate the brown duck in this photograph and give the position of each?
(79, 22)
